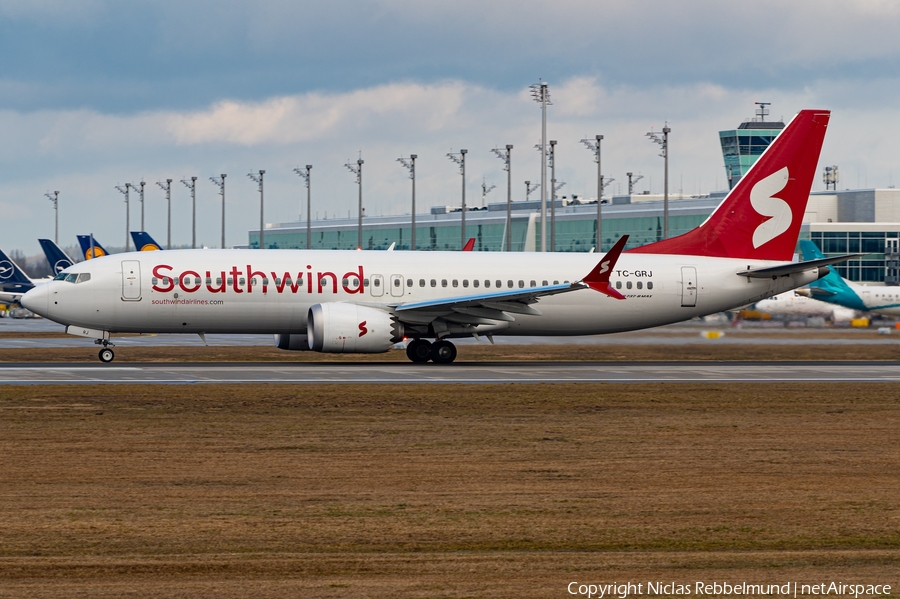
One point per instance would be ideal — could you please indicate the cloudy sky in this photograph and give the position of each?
(95, 93)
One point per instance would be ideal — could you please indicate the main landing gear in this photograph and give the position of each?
(107, 355)
(439, 352)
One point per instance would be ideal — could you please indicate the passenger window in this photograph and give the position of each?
(487, 283)
(499, 283)
(628, 285)
(366, 282)
(443, 282)
(396, 282)
(242, 281)
(475, 283)
(509, 284)
(433, 283)
(265, 281)
(154, 280)
(421, 282)
(376, 282)
(649, 284)
(640, 285)
(618, 284)
(219, 281)
(521, 284)
(556, 282)
(409, 282)
(465, 282)
(345, 282)
(176, 281)
(544, 283)
(208, 281)
(230, 281)
(455, 283)
(252, 281)
(533, 283)
(287, 281)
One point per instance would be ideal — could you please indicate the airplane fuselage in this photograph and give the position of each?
(271, 291)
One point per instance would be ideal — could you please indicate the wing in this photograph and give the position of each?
(502, 306)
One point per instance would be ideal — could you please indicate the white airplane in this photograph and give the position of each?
(366, 301)
(792, 304)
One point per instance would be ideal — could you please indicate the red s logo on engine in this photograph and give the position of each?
(362, 328)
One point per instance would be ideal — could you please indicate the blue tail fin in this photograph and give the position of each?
(143, 242)
(85, 242)
(12, 278)
(831, 288)
(55, 256)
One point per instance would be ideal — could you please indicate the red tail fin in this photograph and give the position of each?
(760, 218)
(470, 245)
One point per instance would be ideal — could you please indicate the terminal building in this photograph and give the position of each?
(846, 221)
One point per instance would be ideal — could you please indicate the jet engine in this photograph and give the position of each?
(348, 328)
(292, 341)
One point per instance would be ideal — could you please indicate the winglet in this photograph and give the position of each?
(598, 278)
(470, 245)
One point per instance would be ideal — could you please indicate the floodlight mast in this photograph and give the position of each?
(142, 201)
(632, 180)
(259, 181)
(529, 189)
(485, 190)
(831, 177)
(594, 146)
(460, 159)
(552, 195)
(54, 197)
(664, 143)
(192, 185)
(220, 183)
(411, 167)
(505, 157)
(541, 94)
(168, 189)
(124, 190)
(357, 170)
(305, 175)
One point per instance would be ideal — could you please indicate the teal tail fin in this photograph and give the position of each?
(831, 288)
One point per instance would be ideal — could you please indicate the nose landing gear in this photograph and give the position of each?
(106, 354)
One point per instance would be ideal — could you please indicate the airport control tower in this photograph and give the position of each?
(742, 146)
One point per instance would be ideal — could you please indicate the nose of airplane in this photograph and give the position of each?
(37, 300)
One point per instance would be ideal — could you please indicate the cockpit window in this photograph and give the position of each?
(60, 277)
(72, 277)
(84, 276)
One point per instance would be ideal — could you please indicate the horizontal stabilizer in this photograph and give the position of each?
(786, 270)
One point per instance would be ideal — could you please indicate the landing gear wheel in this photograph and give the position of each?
(106, 355)
(443, 352)
(419, 351)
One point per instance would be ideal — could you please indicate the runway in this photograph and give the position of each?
(470, 373)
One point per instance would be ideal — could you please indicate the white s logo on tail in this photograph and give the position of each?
(763, 200)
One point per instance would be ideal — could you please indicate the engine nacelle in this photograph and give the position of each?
(348, 328)
(292, 341)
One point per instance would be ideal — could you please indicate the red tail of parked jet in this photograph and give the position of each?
(760, 218)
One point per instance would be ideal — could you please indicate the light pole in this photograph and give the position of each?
(631, 181)
(664, 142)
(305, 174)
(54, 197)
(460, 159)
(529, 189)
(125, 191)
(220, 183)
(192, 185)
(505, 157)
(552, 195)
(595, 147)
(142, 201)
(541, 95)
(168, 189)
(259, 181)
(411, 166)
(357, 170)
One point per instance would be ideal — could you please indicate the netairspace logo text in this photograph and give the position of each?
(719, 589)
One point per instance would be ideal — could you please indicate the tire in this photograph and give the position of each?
(443, 352)
(107, 355)
(419, 351)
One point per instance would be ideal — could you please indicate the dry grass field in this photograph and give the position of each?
(443, 491)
